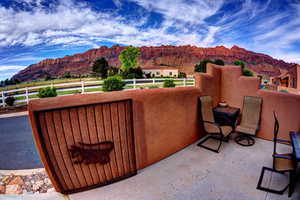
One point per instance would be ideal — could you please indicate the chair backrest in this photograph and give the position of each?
(251, 112)
(276, 129)
(206, 108)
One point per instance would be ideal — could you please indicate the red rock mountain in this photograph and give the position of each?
(182, 57)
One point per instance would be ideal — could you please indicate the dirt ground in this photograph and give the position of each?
(13, 109)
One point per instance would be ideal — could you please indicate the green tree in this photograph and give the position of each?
(219, 62)
(201, 67)
(133, 73)
(169, 83)
(129, 58)
(100, 67)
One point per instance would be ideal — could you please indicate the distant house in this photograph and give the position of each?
(290, 79)
(162, 72)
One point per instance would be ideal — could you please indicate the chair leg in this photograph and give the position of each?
(259, 187)
(292, 177)
(200, 144)
(243, 137)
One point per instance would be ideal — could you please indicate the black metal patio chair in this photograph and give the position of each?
(214, 130)
(282, 163)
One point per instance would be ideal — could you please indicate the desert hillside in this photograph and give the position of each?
(183, 57)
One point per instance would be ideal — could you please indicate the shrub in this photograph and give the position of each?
(113, 71)
(219, 62)
(182, 75)
(130, 76)
(201, 67)
(169, 83)
(240, 63)
(67, 75)
(113, 83)
(47, 92)
(153, 86)
(247, 72)
(10, 100)
(48, 78)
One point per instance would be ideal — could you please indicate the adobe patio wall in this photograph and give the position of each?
(165, 120)
(233, 87)
(210, 83)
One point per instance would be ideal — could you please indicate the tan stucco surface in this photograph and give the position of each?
(165, 120)
(233, 87)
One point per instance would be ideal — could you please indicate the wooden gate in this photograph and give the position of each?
(87, 146)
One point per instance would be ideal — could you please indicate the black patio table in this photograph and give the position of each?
(295, 140)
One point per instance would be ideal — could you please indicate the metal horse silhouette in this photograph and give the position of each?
(91, 153)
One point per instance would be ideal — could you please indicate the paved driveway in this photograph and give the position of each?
(17, 148)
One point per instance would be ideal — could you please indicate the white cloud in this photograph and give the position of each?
(209, 38)
(288, 57)
(11, 67)
(77, 24)
(20, 58)
(188, 11)
(70, 23)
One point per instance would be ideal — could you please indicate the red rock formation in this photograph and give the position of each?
(183, 57)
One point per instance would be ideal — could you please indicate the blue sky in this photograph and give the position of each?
(32, 30)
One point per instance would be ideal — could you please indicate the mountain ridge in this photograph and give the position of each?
(183, 57)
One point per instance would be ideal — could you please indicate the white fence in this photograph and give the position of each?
(23, 95)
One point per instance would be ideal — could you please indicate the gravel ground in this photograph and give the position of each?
(34, 183)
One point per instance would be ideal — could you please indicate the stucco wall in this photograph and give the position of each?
(165, 120)
(233, 87)
(210, 82)
(298, 78)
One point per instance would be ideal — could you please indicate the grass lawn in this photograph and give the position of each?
(41, 83)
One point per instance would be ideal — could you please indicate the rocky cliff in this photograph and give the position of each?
(183, 57)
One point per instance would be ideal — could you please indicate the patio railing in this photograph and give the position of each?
(23, 95)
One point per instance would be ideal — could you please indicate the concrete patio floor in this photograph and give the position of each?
(196, 174)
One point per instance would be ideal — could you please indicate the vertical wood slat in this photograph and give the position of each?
(67, 128)
(89, 124)
(60, 135)
(109, 137)
(50, 152)
(56, 149)
(130, 138)
(77, 138)
(116, 137)
(123, 136)
(102, 137)
(86, 139)
(94, 137)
